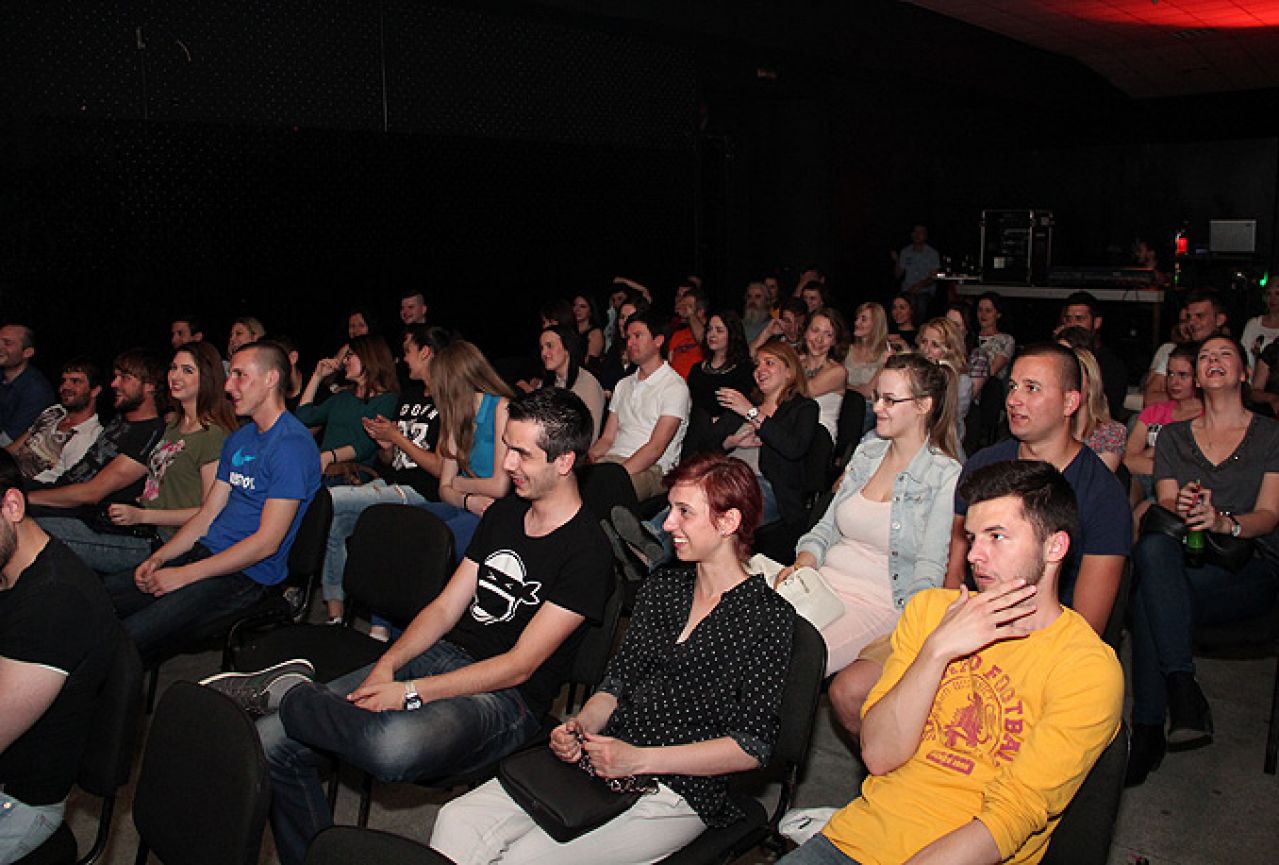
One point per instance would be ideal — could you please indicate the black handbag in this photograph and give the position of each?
(1220, 549)
(562, 798)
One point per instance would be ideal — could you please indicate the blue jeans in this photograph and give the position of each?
(25, 827)
(348, 503)
(461, 523)
(1170, 598)
(154, 622)
(817, 850)
(104, 552)
(443, 737)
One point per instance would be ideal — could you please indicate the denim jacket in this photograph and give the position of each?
(922, 513)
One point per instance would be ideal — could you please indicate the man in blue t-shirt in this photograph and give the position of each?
(225, 558)
(1043, 396)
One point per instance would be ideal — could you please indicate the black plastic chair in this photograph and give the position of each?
(203, 791)
(588, 668)
(1083, 834)
(349, 845)
(306, 558)
(1257, 637)
(107, 760)
(799, 709)
(848, 428)
(398, 559)
(605, 485)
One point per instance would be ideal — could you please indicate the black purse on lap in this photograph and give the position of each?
(1220, 549)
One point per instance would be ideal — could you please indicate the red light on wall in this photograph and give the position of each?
(1182, 244)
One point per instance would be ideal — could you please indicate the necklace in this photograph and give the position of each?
(810, 371)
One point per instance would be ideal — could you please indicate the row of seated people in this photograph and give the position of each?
(649, 336)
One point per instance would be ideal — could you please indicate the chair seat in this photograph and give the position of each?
(334, 650)
(711, 845)
(59, 849)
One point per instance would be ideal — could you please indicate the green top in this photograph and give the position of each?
(340, 415)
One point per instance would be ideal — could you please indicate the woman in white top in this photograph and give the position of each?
(822, 351)
(997, 346)
(1261, 330)
(560, 347)
(868, 349)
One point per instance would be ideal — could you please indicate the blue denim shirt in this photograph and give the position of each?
(922, 513)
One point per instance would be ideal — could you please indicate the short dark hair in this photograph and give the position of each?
(86, 365)
(1046, 496)
(701, 301)
(1072, 377)
(796, 306)
(407, 293)
(1077, 336)
(1083, 298)
(430, 336)
(11, 476)
(1199, 295)
(147, 366)
(271, 356)
(565, 421)
(194, 325)
(657, 324)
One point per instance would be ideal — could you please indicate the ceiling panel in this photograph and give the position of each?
(1147, 48)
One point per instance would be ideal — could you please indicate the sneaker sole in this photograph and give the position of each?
(218, 677)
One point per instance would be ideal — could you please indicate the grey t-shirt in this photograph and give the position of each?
(1234, 482)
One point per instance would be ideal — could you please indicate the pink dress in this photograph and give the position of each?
(857, 570)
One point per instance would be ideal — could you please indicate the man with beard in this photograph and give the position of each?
(115, 466)
(62, 434)
(993, 706)
(24, 391)
(471, 678)
(757, 313)
(57, 639)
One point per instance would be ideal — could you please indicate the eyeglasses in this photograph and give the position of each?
(890, 400)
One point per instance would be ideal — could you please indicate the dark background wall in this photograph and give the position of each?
(291, 159)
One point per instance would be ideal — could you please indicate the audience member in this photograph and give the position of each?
(409, 463)
(557, 311)
(1183, 403)
(561, 351)
(868, 348)
(814, 296)
(293, 390)
(756, 311)
(472, 400)
(181, 470)
(1205, 317)
(477, 669)
(684, 348)
(412, 307)
(727, 366)
(1082, 310)
(24, 391)
(184, 329)
(244, 330)
(115, 465)
(1092, 426)
(225, 558)
(1044, 393)
(993, 706)
(916, 268)
(824, 347)
(1219, 473)
(58, 638)
(667, 723)
(586, 320)
(360, 322)
(978, 364)
(998, 346)
(789, 325)
(1261, 330)
(63, 432)
(941, 342)
(648, 415)
(902, 327)
(617, 365)
(368, 366)
(886, 533)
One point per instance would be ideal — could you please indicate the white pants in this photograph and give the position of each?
(486, 826)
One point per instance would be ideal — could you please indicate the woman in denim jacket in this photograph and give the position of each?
(886, 535)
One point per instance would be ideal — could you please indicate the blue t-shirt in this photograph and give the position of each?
(281, 463)
(1105, 519)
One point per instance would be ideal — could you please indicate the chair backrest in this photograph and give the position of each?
(848, 428)
(203, 791)
(802, 690)
(1083, 834)
(350, 845)
(306, 557)
(605, 485)
(818, 462)
(108, 754)
(597, 643)
(398, 560)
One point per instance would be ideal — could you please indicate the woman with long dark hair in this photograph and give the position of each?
(560, 348)
(368, 366)
(726, 364)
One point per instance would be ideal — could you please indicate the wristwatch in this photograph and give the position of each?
(752, 413)
(412, 700)
(1235, 528)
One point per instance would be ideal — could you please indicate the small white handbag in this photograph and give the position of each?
(806, 590)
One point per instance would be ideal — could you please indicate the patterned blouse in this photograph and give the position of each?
(1109, 437)
(725, 679)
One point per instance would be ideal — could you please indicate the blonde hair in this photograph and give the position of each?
(458, 372)
(1093, 410)
(955, 353)
(876, 343)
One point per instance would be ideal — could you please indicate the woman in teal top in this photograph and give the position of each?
(368, 366)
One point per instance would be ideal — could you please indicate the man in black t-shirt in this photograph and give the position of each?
(58, 635)
(115, 467)
(470, 679)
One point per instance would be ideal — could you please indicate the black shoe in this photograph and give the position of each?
(1145, 752)
(639, 536)
(633, 570)
(260, 693)
(1189, 716)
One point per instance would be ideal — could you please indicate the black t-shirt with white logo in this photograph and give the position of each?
(418, 420)
(571, 567)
